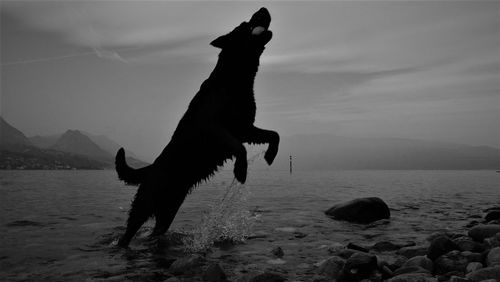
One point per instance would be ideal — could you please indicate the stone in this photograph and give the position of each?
(413, 251)
(214, 273)
(361, 210)
(420, 261)
(491, 209)
(481, 232)
(385, 246)
(355, 247)
(492, 215)
(473, 266)
(172, 279)
(413, 277)
(267, 277)
(331, 267)
(345, 253)
(458, 279)
(452, 261)
(484, 274)
(392, 261)
(360, 266)
(473, 257)
(468, 244)
(277, 252)
(493, 242)
(410, 269)
(440, 246)
(186, 264)
(493, 257)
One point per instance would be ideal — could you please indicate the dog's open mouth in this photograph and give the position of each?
(260, 21)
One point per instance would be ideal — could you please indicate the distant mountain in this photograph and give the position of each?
(17, 152)
(44, 141)
(73, 141)
(10, 136)
(72, 150)
(334, 152)
(107, 144)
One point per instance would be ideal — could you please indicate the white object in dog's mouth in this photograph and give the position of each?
(258, 30)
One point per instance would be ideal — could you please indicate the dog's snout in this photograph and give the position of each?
(261, 18)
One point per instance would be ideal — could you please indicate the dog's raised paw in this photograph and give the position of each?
(270, 155)
(240, 170)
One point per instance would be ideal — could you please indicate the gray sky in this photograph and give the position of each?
(426, 70)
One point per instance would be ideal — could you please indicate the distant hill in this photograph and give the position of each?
(46, 141)
(17, 152)
(333, 152)
(73, 141)
(107, 144)
(9, 135)
(71, 150)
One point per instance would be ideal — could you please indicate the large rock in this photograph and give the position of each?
(493, 258)
(440, 246)
(362, 210)
(450, 262)
(481, 232)
(485, 273)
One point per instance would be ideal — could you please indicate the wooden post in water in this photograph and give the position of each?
(290, 164)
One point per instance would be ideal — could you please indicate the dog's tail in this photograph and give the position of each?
(130, 176)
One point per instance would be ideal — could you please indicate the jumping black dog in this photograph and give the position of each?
(217, 122)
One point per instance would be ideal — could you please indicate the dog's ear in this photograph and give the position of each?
(220, 42)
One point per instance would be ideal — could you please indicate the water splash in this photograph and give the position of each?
(228, 219)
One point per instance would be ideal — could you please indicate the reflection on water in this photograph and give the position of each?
(60, 225)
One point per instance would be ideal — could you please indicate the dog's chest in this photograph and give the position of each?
(239, 109)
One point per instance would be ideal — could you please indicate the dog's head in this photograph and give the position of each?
(248, 35)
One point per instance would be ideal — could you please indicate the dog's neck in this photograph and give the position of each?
(237, 70)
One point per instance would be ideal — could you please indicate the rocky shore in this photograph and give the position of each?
(470, 255)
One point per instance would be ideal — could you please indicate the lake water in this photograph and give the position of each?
(60, 225)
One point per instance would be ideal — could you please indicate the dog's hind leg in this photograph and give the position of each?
(166, 207)
(260, 136)
(139, 213)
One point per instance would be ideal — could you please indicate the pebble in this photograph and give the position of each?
(412, 251)
(452, 261)
(473, 266)
(493, 257)
(331, 267)
(413, 277)
(277, 252)
(420, 261)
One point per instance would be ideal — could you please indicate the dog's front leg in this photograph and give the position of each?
(235, 148)
(260, 136)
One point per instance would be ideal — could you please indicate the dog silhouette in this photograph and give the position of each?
(218, 121)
